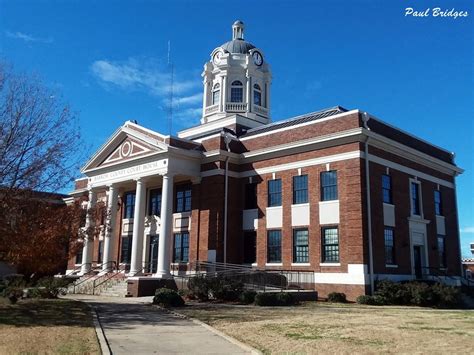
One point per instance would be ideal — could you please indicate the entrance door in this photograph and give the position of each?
(417, 261)
(153, 254)
(250, 247)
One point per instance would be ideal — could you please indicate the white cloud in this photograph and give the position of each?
(189, 100)
(27, 38)
(135, 74)
(148, 76)
(467, 230)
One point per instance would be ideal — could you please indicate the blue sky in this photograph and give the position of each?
(109, 60)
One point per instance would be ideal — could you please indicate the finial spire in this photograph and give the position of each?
(238, 30)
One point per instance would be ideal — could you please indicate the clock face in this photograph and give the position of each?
(257, 58)
(217, 57)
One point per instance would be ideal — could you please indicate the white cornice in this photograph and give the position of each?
(409, 153)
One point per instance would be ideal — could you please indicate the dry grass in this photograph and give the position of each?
(47, 327)
(342, 329)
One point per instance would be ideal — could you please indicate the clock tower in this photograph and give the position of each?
(237, 82)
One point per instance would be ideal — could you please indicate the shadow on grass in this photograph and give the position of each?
(39, 312)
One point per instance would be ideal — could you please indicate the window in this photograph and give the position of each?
(389, 246)
(330, 243)
(181, 248)
(274, 246)
(250, 196)
(387, 189)
(441, 251)
(329, 185)
(129, 201)
(257, 95)
(155, 203)
(216, 94)
(415, 198)
(300, 189)
(274, 192)
(183, 198)
(79, 255)
(438, 204)
(236, 92)
(126, 250)
(300, 246)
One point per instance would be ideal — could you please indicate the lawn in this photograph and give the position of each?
(47, 327)
(342, 329)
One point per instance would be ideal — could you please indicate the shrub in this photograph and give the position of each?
(274, 299)
(166, 297)
(52, 287)
(266, 299)
(369, 300)
(392, 293)
(421, 294)
(248, 296)
(285, 299)
(225, 289)
(199, 288)
(337, 297)
(13, 286)
(447, 296)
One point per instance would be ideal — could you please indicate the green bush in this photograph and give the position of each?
(337, 297)
(393, 293)
(285, 299)
(248, 296)
(52, 287)
(199, 288)
(225, 289)
(13, 286)
(274, 299)
(448, 296)
(369, 300)
(166, 297)
(218, 288)
(415, 293)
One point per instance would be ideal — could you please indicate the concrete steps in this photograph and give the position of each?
(105, 284)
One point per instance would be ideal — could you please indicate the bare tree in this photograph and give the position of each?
(40, 150)
(39, 135)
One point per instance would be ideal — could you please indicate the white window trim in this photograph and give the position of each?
(300, 264)
(273, 264)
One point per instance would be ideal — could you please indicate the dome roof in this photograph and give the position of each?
(238, 46)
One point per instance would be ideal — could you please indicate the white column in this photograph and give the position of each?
(223, 93)
(89, 237)
(163, 269)
(109, 239)
(249, 93)
(138, 228)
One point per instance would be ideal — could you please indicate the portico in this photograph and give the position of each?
(142, 163)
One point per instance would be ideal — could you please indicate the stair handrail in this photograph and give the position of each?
(91, 274)
(107, 276)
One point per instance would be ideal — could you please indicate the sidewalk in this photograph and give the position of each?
(134, 326)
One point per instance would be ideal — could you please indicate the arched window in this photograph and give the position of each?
(257, 95)
(236, 91)
(216, 94)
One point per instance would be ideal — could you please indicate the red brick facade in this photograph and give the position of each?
(206, 231)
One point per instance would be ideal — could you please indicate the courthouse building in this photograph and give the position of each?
(337, 192)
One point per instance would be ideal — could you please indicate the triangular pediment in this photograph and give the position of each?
(127, 143)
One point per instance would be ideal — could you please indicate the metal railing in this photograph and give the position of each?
(253, 278)
(104, 278)
(93, 271)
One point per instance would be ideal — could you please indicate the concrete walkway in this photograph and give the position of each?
(134, 326)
